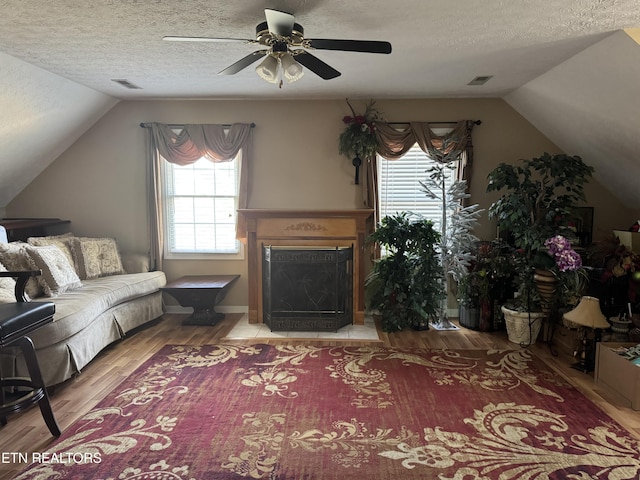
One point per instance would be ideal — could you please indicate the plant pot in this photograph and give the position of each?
(470, 317)
(486, 316)
(620, 325)
(546, 283)
(522, 327)
(477, 317)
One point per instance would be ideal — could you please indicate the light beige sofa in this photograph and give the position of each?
(99, 297)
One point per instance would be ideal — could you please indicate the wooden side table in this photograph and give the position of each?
(203, 293)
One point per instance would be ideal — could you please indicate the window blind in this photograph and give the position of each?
(400, 189)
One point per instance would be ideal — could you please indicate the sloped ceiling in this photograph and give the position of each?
(41, 115)
(589, 105)
(551, 60)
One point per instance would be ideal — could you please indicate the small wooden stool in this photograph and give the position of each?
(17, 321)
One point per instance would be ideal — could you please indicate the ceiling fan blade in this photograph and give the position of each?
(317, 66)
(280, 23)
(367, 46)
(170, 38)
(243, 63)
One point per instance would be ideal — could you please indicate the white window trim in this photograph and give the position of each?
(168, 255)
(240, 255)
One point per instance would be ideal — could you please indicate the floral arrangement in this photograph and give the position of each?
(568, 269)
(614, 257)
(359, 137)
(565, 257)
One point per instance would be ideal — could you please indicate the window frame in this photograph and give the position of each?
(198, 255)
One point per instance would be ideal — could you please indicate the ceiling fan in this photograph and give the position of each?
(287, 49)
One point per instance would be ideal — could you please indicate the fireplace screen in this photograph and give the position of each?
(307, 288)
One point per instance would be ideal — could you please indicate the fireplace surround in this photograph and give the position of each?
(307, 288)
(305, 228)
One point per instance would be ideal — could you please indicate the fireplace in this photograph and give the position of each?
(310, 229)
(307, 288)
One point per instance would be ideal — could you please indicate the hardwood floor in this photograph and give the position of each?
(27, 432)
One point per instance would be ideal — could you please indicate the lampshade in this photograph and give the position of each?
(268, 69)
(587, 314)
(291, 69)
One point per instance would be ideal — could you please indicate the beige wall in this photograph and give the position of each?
(99, 182)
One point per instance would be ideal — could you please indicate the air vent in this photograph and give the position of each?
(126, 83)
(480, 80)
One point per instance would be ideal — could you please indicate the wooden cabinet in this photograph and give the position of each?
(23, 228)
(617, 377)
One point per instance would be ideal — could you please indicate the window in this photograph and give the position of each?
(200, 207)
(400, 189)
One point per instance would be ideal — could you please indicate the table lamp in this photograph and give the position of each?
(587, 315)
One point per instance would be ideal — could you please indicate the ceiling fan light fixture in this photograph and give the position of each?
(268, 69)
(291, 69)
(281, 39)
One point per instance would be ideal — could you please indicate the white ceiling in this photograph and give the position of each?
(438, 45)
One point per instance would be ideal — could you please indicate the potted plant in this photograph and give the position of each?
(537, 202)
(456, 224)
(487, 285)
(405, 285)
(616, 271)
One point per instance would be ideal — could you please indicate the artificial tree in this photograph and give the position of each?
(405, 284)
(537, 202)
(456, 226)
(538, 199)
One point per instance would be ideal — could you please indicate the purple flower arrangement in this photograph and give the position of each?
(568, 270)
(565, 257)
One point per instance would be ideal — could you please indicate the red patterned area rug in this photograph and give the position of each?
(302, 412)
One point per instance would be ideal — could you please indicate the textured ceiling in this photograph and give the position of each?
(438, 45)
(564, 65)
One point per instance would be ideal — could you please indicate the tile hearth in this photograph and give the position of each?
(245, 330)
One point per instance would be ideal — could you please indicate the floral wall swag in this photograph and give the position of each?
(358, 140)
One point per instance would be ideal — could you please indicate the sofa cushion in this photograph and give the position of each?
(63, 242)
(135, 262)
(58, 275)
(78, 308)
(96, 257)
(15, 257)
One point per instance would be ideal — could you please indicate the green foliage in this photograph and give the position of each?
(458, 221)
(537, 202)
(538, 197)
(405, 286)
(491, 274)
(358, 139)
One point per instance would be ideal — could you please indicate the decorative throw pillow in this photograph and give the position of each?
(58, 275)
(63, 242)
(97, 257)
(15, 257)
(7, 287)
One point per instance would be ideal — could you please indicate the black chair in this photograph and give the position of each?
(17, 321)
